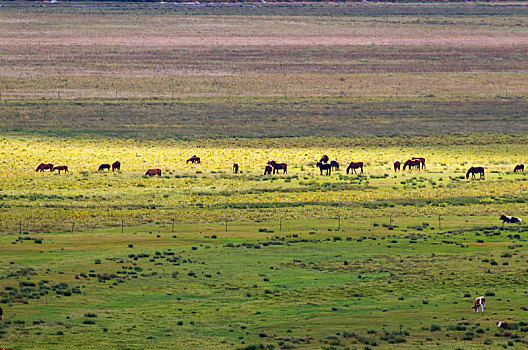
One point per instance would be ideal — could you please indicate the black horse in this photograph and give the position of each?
(104, 167)
(235, 168)
(116, 166)
(325, 166)
(335, 165)
(475, 170)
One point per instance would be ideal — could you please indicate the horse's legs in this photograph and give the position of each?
(361, 170)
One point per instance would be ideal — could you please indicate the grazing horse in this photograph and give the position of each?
(324, 159)
(325, 166)
(479, 302)
(278, 166)
(2, 316)
(103, 167)
(268, 169)
(510, 219)
(412, 164)
(44, 166)
(193, 159)
(152, 172)
(519, 167)
(355, 166)
(116, 165)
(397, 164)
(475, 170)
(421, 159)
(335, 165)
(235, 168)
(60, 167)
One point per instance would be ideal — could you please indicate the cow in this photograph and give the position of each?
(153, 172)
(479, 302)
(504, 325)
(510, 219)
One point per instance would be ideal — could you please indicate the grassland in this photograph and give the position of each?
(117, 260)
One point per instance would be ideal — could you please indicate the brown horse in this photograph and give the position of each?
(324, 159)
(268, 169)
(278, 166)
(235, 168)
(519, 167)
(475, 170)
(194, 159)
(152, 172)
(103, 167)
(60, 167)
(116, 166)
(335, 165)
(412, 164)
(397, 166)
(325, 166)
(422, 161)
(44, 166)
(355, 166)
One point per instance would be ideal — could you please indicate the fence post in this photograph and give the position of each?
(58, 95)
(73, 223)
(172, 225)
(20, 227)
(439, 222)
(122, 224)
(226, 224)
(280, 224)
(390, 221)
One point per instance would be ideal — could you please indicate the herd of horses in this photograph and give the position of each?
(324, 164)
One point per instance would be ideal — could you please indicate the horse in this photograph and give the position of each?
(193, 159)
(152, 172)
(44, 166)
(412, 164)
(479, 302)
(475, 170)
(421, 159)
(103, 167)
(519, 167)
(325, 166)
(60, 167)
(235, 168)
(278, 166)
(397, 164)
(116, 166)
(324, 159)
(355, 166)
(268, 169)
(335, 165)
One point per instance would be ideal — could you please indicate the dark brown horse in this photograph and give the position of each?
(103, 167)
(519, 167)
(421, 159)
(60, 168)
(355, 166)
(193, 160)
(153, 172)
(335, 165)
(412, 164)
(278, 166)
(116, 165)
(397, 166)
(44, 166)
(235, 168)
(268, 169)
(325, 166)
(324, 159)
(475, 170)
